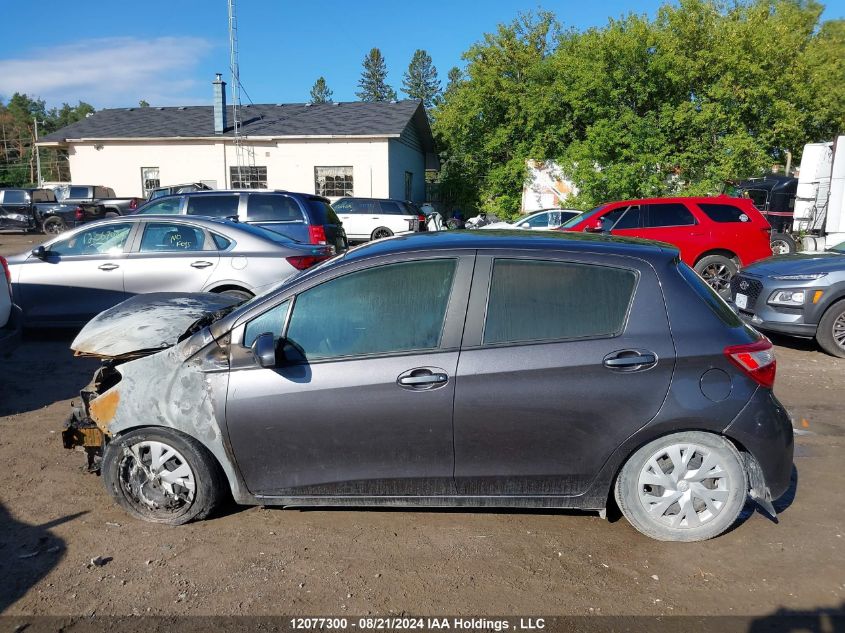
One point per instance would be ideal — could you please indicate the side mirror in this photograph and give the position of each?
(264, 348)
(40, 252)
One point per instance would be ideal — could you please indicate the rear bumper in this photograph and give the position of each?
(764, 429)
(10, 334)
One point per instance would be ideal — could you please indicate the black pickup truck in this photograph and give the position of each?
(95, 201)
(30, 209)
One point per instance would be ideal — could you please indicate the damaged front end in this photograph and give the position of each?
(151, 372)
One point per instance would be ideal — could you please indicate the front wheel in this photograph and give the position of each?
(831, 331)
(687, 486)
(162, 476)
(717, 271)
(782, 244)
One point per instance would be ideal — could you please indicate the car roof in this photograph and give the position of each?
(516, 240)
(681, 199)
(212, 192)
(376, 199)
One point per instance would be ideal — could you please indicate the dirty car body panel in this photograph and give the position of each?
(378, 427)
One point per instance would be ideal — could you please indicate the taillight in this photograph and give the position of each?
(7, 273)
(316, 234)
(304, 261)
(133, 203)
(756, 359)
(421, 220)
(79, 213)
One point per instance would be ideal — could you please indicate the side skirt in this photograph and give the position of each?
(569, 503)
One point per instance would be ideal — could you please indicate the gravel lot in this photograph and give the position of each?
(54, 519)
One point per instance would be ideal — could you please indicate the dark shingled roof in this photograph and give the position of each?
(285, 119)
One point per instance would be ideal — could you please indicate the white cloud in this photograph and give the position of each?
(114, 71)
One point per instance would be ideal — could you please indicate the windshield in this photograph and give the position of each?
(839, 248)
(583, 216)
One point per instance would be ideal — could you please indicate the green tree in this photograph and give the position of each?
(420, 80)
(143, 103)
(373, 83)
(320, 92)
(674, 104)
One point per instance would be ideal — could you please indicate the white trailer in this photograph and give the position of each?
(820, 197)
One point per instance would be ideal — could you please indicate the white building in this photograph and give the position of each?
(379, 150)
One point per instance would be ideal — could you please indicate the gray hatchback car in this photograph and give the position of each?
(479, 368)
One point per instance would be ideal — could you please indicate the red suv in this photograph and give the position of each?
(716, 236)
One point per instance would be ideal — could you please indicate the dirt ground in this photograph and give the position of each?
(55, 518)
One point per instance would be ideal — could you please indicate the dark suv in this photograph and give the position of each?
(470, 368)
(300, 216)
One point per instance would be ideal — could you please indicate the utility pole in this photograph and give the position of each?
(37, 153)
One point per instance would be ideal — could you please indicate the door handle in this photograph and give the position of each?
(423, 378)
(201, 264)
(630, 360)
(108, 266)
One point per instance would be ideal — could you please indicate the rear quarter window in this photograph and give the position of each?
(213, 206)
(709, 296)
(724, 213)
(321, 212)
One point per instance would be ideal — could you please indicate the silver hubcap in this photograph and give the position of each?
(156, 477)
(779, 247)
(683, 486)
(717, 275)
(839, 330)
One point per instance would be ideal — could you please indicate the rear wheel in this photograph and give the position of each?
(831, 331)
(717, 271)
(53, 226)
(162, 476)
(381, 233)
(687, 486)
(782, 244)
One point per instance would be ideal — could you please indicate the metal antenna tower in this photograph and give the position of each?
(242, 154)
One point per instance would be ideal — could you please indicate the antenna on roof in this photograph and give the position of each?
(243, 156)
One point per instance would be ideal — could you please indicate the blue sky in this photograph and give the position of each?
(113, 53)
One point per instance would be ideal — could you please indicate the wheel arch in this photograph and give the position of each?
(223, 286)
(724, 252)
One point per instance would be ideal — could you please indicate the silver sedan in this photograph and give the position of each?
(68, 280)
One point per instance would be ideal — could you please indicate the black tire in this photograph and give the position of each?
(53, 226)
(210, 483)
(657, 521)
(241, 295)
(111, 214)
(380, 233)
(782, 244)
(717, 271)
(831, 331)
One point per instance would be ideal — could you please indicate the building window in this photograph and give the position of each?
(409, 185)
(149, 179)
(333, 182)
(248, 177)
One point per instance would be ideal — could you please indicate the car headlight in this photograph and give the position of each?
(807, 277)
(787, 298)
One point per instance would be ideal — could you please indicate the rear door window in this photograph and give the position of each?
(540, 300)
(724, 213)
(170, 206)
(268, 207)
(169, 237)
(365, 207)
(214, 206)
(78, 193)
(669, 214)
